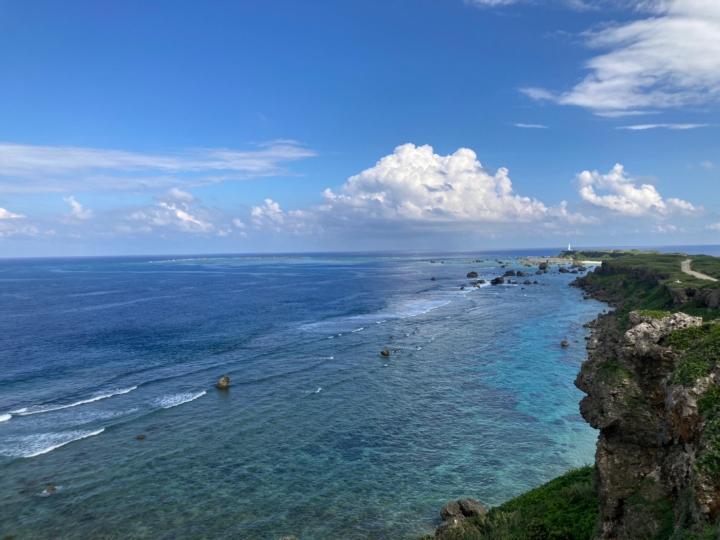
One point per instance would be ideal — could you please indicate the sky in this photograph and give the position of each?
(173, 127)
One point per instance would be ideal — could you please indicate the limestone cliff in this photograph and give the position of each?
(656, 408)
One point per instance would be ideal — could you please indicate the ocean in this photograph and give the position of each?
(319, 436)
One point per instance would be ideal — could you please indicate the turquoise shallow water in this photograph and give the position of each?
(319, 436)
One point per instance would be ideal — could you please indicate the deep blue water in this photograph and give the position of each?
(319, 436)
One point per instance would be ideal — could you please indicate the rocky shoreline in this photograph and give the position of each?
(651, 381)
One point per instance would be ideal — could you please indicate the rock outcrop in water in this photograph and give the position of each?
(655, 458)
(223, 383)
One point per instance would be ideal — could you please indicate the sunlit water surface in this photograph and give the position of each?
(319, 435)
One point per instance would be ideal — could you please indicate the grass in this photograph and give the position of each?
(565, 508)
(706, 265)
(653, 282)
(654, 313)
(708, 459)
(700, 351)
(612, 371)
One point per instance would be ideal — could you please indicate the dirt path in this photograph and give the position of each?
(685, 267)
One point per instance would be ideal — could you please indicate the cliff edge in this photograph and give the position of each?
(657, 454)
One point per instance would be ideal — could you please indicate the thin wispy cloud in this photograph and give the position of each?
(491, 3)
(7, 214)
(578, 5)
(666, 60)
(28, 168)
(645, 127)
(77, 210)
(530, 126)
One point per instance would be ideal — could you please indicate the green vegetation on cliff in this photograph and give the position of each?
(566, 507)
(699, 349)
(654, 282)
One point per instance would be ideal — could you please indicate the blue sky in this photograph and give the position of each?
(187, 127)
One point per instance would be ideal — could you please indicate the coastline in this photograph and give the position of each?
(657, 458)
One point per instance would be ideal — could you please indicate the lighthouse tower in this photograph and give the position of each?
(569, 247)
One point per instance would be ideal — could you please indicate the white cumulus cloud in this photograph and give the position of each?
(416, 184)
(625, 195)
(175, 211)
(271, 216)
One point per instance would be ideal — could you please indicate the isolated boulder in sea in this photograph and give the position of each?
(433, 278)
(223, 383)
(527, 282)
(520, 273)
(564, 343)
(140, 437)
(50, 489)
(497, 281)
(543, 266)
(385, 353)
(563, 270)
(472, 274)
(509, 273)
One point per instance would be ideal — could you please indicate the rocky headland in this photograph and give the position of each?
(652, 385)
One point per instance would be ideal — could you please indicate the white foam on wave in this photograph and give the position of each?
(5, 417)
(42, 443)
(167, 402)
(39, 409)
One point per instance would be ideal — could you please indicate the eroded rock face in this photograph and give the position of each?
(651, 429)
(455, 513)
